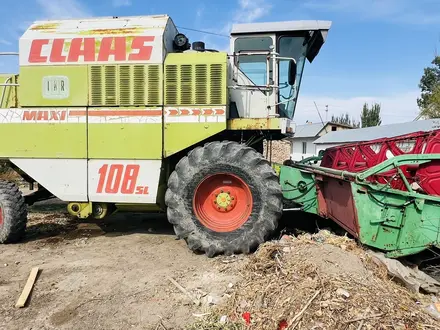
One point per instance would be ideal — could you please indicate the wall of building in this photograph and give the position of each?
(331, 128)
(297, 148)
(280, 151)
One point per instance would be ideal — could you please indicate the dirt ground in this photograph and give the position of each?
(107, 275)
(115, 274)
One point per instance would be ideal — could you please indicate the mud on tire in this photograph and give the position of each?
(13, 213)
(243, 163)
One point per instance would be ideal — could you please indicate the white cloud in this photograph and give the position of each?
(251, 10)
(401, 107)
(248, 11)
(63, 9)
(200, 11)
(5, 42)
(122, 3)
(396, 11)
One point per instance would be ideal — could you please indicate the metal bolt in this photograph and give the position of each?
(221, 191)
(229, 192)
(215, 202)
(232, 198)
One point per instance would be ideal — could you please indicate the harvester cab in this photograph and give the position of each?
(267, 64)
(123, 113)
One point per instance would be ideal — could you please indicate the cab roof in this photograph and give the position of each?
(287, 26)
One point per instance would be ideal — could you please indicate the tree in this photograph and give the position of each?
(344, 119)
(429, 101)
(432, 110)
(371, 117)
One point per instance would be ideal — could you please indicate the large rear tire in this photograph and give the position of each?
(13, 213)
(224, 197)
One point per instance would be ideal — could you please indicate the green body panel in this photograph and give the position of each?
(179, 136)
(125, 141)
(395, 223)
(193, 80)
(8, 94)
(43, 141)
(68, 84)
(299, 186)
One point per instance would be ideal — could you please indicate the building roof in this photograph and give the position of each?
(312, 130)
(377, 132)
(307, 130)
(307, 25)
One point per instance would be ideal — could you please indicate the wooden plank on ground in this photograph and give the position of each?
(27, 288)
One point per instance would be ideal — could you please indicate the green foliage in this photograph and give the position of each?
(371, 116)
(345, 119)
(430, 86)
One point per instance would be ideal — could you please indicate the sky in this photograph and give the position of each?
(375, 52)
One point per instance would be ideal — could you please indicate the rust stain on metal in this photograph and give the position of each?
(132, 30)
(340, 206)
(46, 27)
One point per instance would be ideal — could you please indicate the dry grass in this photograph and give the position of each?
(8, 174)
(321, 282)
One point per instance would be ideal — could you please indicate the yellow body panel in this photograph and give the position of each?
(254, 124)
(44, 141)
(194, 81)
(52, 86)
(183, 135)
(125, 141)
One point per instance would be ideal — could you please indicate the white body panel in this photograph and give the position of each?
(65, 178)
(154, 35)
(78, 116)
(112, 181)
(124, 181)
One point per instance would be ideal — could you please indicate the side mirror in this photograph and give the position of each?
(292, 72)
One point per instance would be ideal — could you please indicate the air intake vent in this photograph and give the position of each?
(172, 85)
(139, 85)
(201, 84)
(96, 85)
(186, 80)
(110, 85)
(195, 84)
(216, 78)
(125, 85)
(153, 86)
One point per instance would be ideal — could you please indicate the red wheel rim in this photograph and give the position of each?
(222, 202)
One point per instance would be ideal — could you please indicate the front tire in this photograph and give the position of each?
(224, 197)
(13, 213)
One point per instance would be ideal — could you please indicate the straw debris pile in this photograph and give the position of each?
(320, 281)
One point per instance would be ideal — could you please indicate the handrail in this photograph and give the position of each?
(4, 85)
(9, 54)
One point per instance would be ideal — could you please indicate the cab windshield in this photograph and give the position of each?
(292, 47)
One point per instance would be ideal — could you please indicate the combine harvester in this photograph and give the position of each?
(124, 114)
